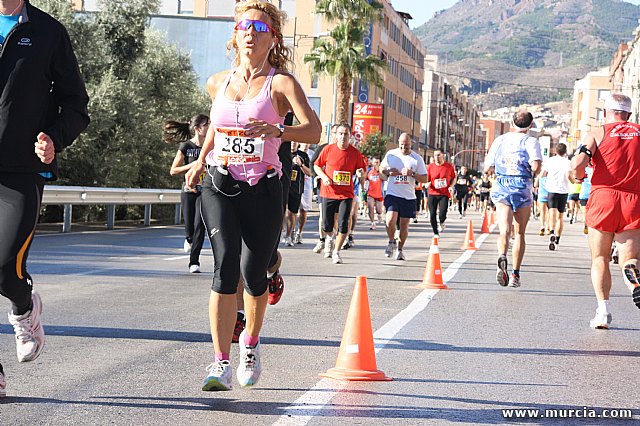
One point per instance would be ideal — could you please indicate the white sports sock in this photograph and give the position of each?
(603, 307)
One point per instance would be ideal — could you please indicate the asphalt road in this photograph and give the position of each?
(128, 336)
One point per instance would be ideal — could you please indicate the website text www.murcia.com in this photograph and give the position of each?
(576, 413)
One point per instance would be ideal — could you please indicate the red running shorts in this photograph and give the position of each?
(610, 210)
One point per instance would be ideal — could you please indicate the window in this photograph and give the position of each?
(314, 81)
(603, 94)
(185, 7)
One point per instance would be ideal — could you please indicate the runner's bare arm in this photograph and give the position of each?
(421, 178)
(536, 165)
(581, 160)
(289, 96)
(193, 174)
(322, 175)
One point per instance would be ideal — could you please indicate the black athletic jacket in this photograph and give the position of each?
(41, 90)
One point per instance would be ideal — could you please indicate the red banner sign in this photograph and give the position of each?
(367, 119)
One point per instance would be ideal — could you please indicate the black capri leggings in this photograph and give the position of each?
(243, 231)
(329, 209)
(20, 197)
(441, 204)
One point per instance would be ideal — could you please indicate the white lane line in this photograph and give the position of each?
(305, 408)
(91, 272)
(176, 257)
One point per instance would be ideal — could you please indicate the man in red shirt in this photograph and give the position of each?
(374, 193)
(336, 166)
(613, 212)
(441, 177)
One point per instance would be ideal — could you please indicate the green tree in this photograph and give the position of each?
(343, 55)
(375, 145)
(135, 80)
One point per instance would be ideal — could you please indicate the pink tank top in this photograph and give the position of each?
(247, 158)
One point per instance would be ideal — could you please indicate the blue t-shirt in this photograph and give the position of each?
(6, 25)
(585, 189)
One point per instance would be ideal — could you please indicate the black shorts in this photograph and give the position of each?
(329, 209)
(404, 207)
(583, 202)
(557, 201)
(574, 197)
(293, 203)
(484, 196)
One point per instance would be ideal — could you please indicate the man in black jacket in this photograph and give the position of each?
(43, 109)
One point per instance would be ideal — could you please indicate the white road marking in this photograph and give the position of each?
(303, 409)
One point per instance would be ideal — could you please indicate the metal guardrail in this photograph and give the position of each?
(77, 195)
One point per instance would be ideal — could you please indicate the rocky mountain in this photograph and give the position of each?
(507, 46)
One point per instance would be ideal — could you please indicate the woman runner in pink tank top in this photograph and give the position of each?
(241, 194)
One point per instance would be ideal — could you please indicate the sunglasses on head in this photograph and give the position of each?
(259, 26)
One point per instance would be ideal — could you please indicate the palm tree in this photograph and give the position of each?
(343, 56)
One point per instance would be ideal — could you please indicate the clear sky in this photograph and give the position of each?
(422, 10)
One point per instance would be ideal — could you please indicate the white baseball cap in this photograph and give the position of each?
(623, 105)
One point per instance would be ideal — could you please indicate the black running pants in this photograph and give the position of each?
(193, 224)
(439, 203)
(20, 198)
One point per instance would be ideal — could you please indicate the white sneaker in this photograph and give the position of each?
(399, 255)
(372, 227)
(388, 252)
(288, 242)
(459, 216)
(336, 257)
(318, 247)
(29, 331)
(218, 377)
(441, 227)
(186, 247)
(600, 321)
(3, 384)
(328, 248)
(250, 366)
(194, 269)
(298, 239)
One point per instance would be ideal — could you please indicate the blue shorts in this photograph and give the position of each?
(543, 196)
(404, 207)
(513, 191)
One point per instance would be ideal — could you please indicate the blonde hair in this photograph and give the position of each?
(280, 56)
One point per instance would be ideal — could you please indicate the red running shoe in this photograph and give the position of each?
(241, 322)
(275, 284)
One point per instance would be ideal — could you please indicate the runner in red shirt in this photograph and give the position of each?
(336, 166)
(613, 212)
(374, 194)
(442, 176)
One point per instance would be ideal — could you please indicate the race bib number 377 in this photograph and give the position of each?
(232, 146)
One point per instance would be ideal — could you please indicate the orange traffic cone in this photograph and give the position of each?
(469, 240)
(485, 224)
(491, 219)
(433, 272)
(357, 357)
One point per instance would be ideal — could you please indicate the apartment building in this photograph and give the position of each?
(589, 94)
(450, 121)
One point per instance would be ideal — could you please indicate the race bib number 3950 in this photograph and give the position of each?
(232, 146)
